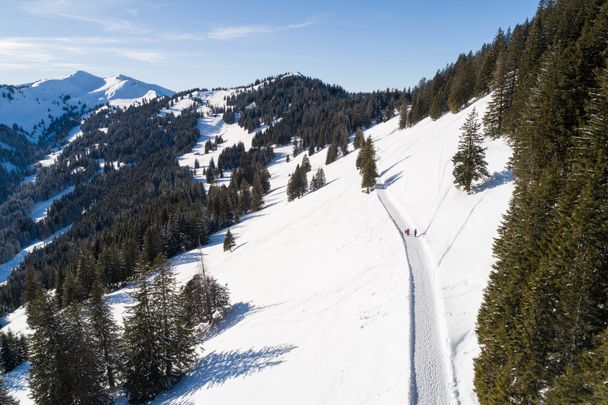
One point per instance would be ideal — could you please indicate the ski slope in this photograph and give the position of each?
(331, 304)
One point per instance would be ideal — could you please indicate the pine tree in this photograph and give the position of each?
(85, 369)
(211, 172)
(13, 350)
(297, 184)
(332, 153)
(175, 338)
(144, 362)
(318, 180)
(403, 116)
(366, 163)
(49, 370)
(469, 160)
(359, 138)
(257, 193)
(502, 92)
(104, 331)
(204, 297)
(229, 241)
(343, 139)
(244, 203)
(306, 164)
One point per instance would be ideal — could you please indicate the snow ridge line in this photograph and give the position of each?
(429, 374)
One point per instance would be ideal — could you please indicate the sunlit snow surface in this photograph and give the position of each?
(321, 285)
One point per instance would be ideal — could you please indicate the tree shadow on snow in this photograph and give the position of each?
(237, 313)
(392, 179)
(393, 165)
(218, 367)
(497, 179)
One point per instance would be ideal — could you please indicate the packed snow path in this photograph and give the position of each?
(429, 379)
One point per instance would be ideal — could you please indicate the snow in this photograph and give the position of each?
(327, 309)
(210, 127)
(7, 267)
(40, 208)
(457, 230)
(16, 322)
(331, 302)
(37, 101)
(17, 384)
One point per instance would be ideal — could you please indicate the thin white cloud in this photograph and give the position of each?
(92, 12)
(241, 31)
(142, 55)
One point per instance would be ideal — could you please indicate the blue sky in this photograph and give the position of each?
(361, 45)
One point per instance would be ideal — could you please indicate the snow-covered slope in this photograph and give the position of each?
(26, 105)
(456, 230)
(324, 301)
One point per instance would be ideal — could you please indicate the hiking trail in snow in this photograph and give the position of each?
(430, 381)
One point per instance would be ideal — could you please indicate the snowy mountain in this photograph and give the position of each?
(358, 313)
(33, 106)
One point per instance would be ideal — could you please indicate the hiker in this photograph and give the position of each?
(407, 232)
(415, 232)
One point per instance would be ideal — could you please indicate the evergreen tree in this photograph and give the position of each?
(359, 138)
(244, 203)
(306, 164)
(403, 116)
(318, 180)
(343, 139)
(13, 350)
(469, 160)
(176, 340)
(297, 184)
(211, 169)
(144, 362)
(366, 163)
(85, 370)
(257, 193)
(502, 92)
(204, 297)
(49, 370)
(105, 332)
(332, 153)
(229, 241)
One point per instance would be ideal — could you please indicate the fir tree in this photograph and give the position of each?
(244, 202)
(366, 163)
(359, 138)
(403, 116)
(297, 184)
(104, 331)
(469, 160)
(502, 87)
(343, 139)
(229, 241)
(332, 153)
(318, 180)
(84, 364)
(211, 172)
(306, 164)
(257, 193)
(176, 340)
(49, 371)
(144, 362)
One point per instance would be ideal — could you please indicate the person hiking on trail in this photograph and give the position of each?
(407, 231)
(415, 232)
